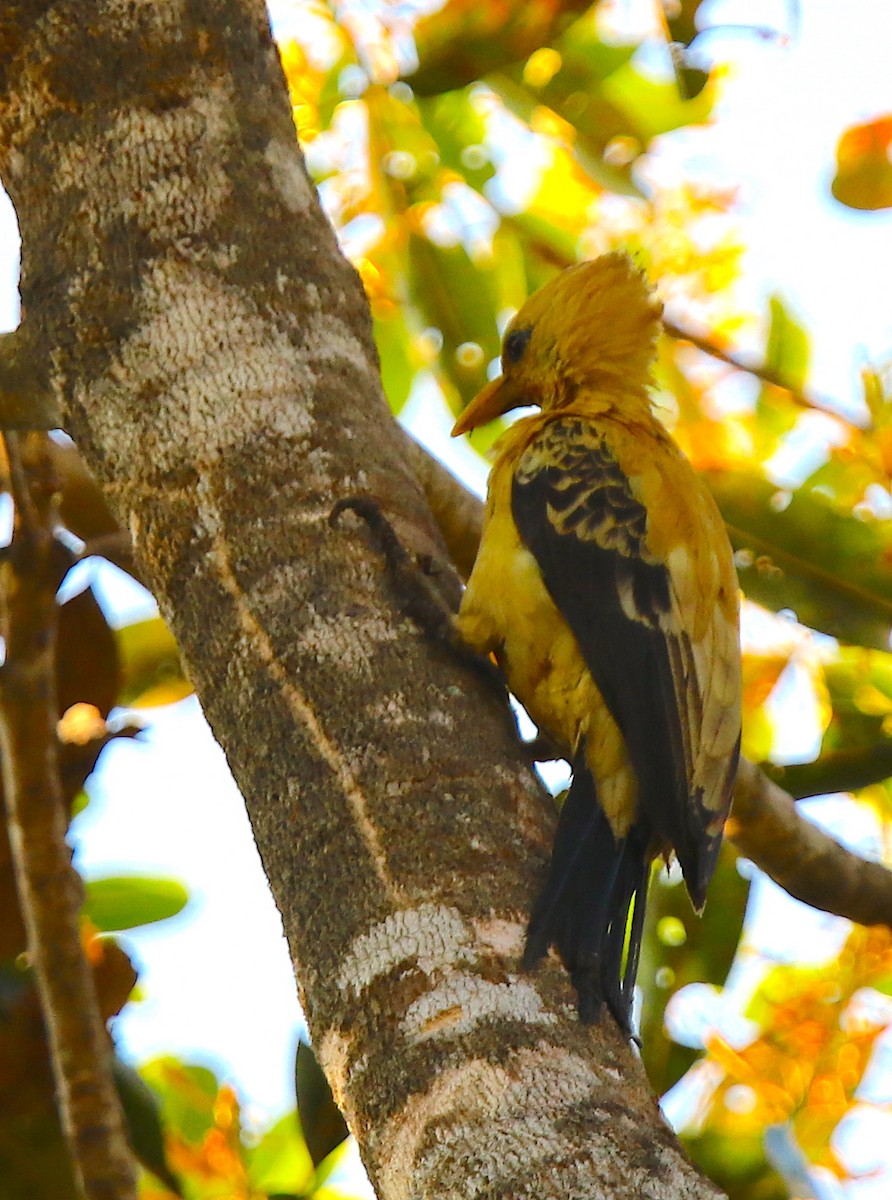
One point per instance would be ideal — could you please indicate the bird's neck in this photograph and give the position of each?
(602, 394)
(623, 403)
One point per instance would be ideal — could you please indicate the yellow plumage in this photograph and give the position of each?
(605, 588)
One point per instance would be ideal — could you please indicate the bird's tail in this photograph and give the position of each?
(594, 883)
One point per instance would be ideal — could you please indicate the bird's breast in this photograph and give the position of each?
(507, 610)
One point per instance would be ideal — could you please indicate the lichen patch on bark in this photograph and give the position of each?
(288, 175)
(462, 1000)
(503, 936)
(324, 638)
(430, 937)
(202, 368)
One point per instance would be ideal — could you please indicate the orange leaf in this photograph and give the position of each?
(864, 165)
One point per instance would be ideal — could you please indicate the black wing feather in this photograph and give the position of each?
(576, 513)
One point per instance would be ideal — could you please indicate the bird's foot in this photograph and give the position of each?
(413, 578)
(411, 575)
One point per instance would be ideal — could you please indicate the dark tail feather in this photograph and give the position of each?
(593, 884)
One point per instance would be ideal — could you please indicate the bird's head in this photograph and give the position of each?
(593, 325)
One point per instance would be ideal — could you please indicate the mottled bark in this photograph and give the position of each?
(211, 353)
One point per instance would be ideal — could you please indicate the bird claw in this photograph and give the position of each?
(371, 512)
(413, 578)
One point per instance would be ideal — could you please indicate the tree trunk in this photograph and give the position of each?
(211, 352)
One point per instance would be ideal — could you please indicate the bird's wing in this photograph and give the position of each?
(576, 512)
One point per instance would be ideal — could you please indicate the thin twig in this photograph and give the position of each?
(757, 370)
(50, 891)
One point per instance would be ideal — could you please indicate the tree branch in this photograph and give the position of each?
(50, 891)
(457, 512)
(766, 826)
(844, 770)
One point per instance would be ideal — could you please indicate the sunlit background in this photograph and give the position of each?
(215, 983)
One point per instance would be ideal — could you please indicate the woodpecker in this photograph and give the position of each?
(605, 588)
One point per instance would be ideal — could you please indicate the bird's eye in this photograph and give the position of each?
(515, 344)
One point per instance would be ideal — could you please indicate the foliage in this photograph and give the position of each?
(209, 1153)
(463, 161)
(459, 187)
(804, 1071)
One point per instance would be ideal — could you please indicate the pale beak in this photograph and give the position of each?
(499, 396)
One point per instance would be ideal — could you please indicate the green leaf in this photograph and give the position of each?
(786, 360)
(787, 350)
(459, 133)
(127, 901)
(575, 92)
(856, 750)
(280, 1162)
(399, 364)
(804, 554)
(653, 107)
(460, 298)
(586, 59)
(187, 1095)
(588, 151)
(323, 1126)
(458, 43)
(150, 661)
(145, 1132)
(737, 1163)
(331, 94)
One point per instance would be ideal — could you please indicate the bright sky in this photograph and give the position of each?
(217, 981)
